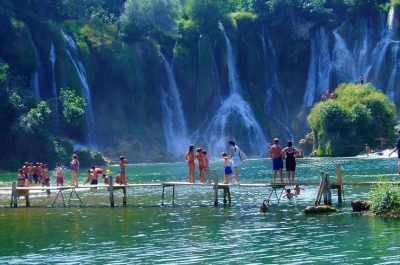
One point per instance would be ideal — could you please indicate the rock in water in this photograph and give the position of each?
(319, 209)
(360, 206)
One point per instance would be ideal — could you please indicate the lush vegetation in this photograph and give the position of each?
(385, 198)
(360, 115)
(119, 43)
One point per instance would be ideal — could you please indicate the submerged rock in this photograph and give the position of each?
(360, 206)
(319, 209)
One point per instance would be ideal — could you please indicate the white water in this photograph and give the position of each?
(174, 124)
(54, 94)
(234, 120)
(81, 72)
(319, 71)
(376, 60)
(34, 83)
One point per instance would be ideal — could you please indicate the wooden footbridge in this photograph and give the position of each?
(67, 193)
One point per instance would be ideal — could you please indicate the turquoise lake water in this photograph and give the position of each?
(192, 231)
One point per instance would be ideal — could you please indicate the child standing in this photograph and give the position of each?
(190, 156)
(59, 175)
(206, 167)
(227, 168)
(74, 165)
(122, 167)
(200, 159)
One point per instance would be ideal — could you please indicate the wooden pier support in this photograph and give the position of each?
(163, 190)
(340, 183)
(124, 199)
(216, 190)
(14, 196)
(227, 192)
(111, 190)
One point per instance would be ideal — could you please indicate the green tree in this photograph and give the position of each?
(148, 18)
(73, 106)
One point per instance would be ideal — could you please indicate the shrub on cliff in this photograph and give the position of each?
(360, 115)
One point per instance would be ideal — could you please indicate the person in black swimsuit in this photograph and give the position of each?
(290, 153)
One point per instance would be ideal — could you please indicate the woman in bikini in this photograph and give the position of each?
(190, 156)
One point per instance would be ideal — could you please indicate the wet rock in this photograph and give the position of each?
(319, 209)
(360, 206)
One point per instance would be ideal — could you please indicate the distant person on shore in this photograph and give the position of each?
(227, 168)
(206, 166)
(235, 156)
(397, 148)
(361, 79)
(290, 153)
(59, 175)
(74, 165)
(122, 169)
(190, 156)
(276, 157)
(200, 159)
(367, 149)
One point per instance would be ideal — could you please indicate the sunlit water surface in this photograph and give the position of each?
(192, 231)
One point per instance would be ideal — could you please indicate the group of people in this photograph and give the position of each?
(201, 156)
(38, 173)
(329, 95)
(231, 163)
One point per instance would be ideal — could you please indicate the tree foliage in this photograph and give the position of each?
(359, 116)
(73, 106)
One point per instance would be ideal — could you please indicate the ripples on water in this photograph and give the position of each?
(194, 232)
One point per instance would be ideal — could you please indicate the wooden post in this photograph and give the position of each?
(340, 183)
(229, 196)
(124, 199)
(328, 190)
(225, 194)
(216, 190)
(14, 196)
(111, 188)
(321, 187)
(27, 202)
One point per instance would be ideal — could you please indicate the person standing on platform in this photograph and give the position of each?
(276, 157)
(74, 165)
(290, 153)
(235, 156)
(190, 156)
(122, 167)
(59, 174)
(397, 148)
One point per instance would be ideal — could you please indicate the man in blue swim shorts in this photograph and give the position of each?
(276, 157)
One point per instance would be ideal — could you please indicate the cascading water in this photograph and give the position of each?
(234, 119)
(80, 70)
(35, 84)
(54, 94)
(319, 70)
(273, 86)
(175, 130)
(377, 60)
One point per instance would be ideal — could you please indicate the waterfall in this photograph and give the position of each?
(234, 120)
(274, 90)
(319, 69)
(344, 63)
(34, 82)
(175, 130)
(54, 94)
(234, 84)
(81, 72)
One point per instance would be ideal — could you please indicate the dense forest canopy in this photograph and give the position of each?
(114, 74)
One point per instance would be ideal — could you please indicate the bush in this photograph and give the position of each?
(358, 116)
(87, 158)
(385, 197)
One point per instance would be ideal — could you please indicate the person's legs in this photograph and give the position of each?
(281, 175)
(236, 169)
